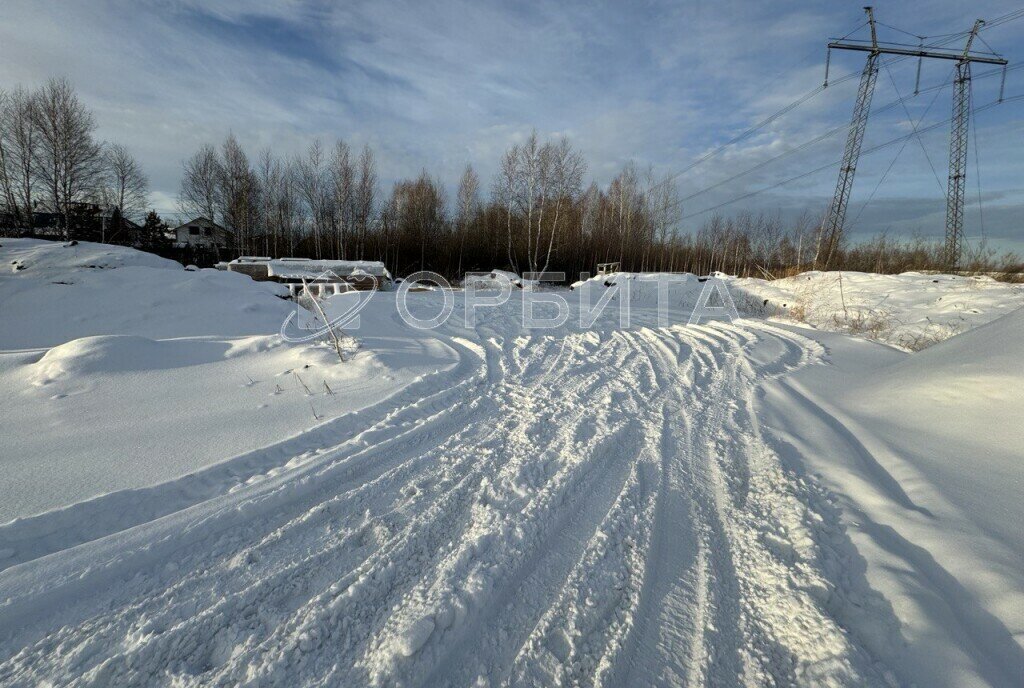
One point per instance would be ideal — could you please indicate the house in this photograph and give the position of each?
(201, 232)
(86, 221)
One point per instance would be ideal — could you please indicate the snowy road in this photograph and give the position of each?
(569, 508)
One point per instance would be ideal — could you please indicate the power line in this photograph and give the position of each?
(828, 134)
(921, 119)
(832, 132)
(914, 127)
(889, 26)
(873, 149)
(948, 38)
(1008, 17)
(861, 110)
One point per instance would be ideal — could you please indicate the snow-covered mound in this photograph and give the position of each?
(122, 353)
(961, 405)
(56, 292)
(924, 453)
(910, 311)
(678, 293)
(154, 372)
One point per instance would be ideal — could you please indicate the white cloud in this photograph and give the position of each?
(437, 85)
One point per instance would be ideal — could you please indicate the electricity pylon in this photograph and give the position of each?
(832, 227)
(958, 155)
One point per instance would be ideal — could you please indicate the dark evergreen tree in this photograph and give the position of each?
(153, 235)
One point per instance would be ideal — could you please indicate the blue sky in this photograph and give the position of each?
(437, 85)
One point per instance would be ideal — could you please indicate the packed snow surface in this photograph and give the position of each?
(630, 503)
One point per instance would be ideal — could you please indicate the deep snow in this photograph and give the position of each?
(154, 372)
(911, 311)
(646, 504)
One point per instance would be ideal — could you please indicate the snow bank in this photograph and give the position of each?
(955, 412)
(66, 292)
(678, 293)
(121, 353)
(924, 452)
(910, 311)
(121, 370)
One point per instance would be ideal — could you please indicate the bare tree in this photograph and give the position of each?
(342, 176)
(364, 198)
(531, 169)
(126, 185)
(312, 185)
(70, 160)
(567, 170)
(468, 206)
(504, 194)
(6, 184)
(239, 192)
(200, 184)
(664, 209)
(19, 148)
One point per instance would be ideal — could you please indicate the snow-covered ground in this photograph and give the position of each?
(911, 311)
(627, 504)
(122, 370)
(925, 455)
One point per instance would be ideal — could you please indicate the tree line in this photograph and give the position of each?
(537, 213)
(53, 166)
(534, 216)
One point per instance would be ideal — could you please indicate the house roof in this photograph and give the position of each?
(202, 222)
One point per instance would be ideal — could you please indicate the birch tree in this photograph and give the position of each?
(127, 186)
(200, 186)
(19, 149)
(364, 199)
(70, 160)
(468, 200)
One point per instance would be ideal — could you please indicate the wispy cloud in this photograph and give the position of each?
(437, 85)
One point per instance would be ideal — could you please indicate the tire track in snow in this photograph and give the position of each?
(313, 620)
(598, 510)
(521, 513)
(37, 536)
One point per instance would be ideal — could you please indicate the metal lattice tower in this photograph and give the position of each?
(832, 227)
(958, 156)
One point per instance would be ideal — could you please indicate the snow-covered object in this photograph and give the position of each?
(97, 289)
(490, 280)
(304, 268)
